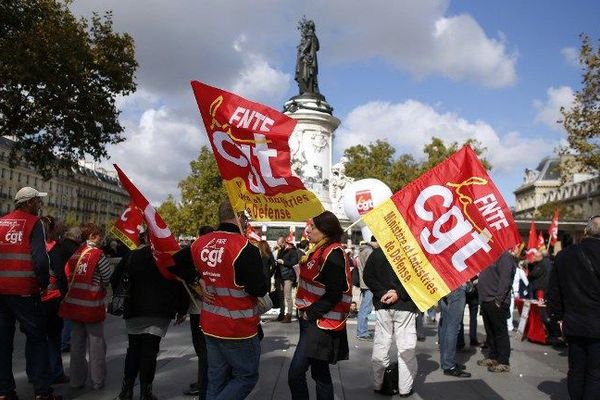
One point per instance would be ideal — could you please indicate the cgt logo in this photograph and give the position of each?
(12, 231)
(212, 253)
(364, 201)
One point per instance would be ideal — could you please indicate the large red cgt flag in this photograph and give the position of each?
(553, 229)
(161, 239)
(532, 242)
(443, 228)
(126, 228)
(250, 144)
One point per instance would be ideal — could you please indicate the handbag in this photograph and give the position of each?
(116, 305)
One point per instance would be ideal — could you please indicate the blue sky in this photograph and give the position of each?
(397, 70)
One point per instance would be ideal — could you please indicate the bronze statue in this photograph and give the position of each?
(306, 63)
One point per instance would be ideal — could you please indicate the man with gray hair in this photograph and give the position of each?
(574, 300)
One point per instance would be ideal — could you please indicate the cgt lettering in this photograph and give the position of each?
(435, 241)
(14, 237)
(212, 257)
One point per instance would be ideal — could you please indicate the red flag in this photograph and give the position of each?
(444, 227)
(161, 239)
(250, 144)
(532, 243)
(553, 229)
(251, 233)
(541, 242)
(126, 228)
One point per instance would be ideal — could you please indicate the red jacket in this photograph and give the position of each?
(16, 269)
(233, 313)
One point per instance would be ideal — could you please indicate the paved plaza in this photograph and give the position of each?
(538, 372)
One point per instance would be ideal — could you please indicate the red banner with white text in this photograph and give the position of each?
(160, 237)
(250, 144)
(553, 229)
(127, 227)
(444, 227)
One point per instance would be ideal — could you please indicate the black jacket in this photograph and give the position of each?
(380, 277)
(59, 255)
(290, 258)
(495, 282)
(574, 291)
(150, 294)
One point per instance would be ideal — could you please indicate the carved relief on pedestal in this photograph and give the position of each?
(319, 141)
(338, 182)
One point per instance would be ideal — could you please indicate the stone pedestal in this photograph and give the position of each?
(311, 144)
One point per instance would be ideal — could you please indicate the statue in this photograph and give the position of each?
(306, 62)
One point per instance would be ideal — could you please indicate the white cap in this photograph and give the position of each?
(27, 193)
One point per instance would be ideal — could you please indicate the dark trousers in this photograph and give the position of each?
(141, 357)
(496, 329)
(473, 309)
(199, 342)
(319, 371)
(28, 311)
(54, 327)
(583, 378)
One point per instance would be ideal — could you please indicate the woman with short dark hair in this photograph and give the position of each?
(323, 300)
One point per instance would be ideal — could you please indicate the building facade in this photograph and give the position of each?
(84, 194)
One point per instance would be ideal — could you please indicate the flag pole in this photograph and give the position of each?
(192, 298)
(352, 225)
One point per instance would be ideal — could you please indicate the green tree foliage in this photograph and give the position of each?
(582, 120)
(376, 160)
(59, 77)
(201, 193)
(566, 212)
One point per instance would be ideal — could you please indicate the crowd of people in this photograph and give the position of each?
(54, 282)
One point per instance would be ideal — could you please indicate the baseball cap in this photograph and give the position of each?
(27, 193)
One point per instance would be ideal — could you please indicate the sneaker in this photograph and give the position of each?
(406, 394)
(499, 368)
(457, 373)
(367, 338)
(487, 362)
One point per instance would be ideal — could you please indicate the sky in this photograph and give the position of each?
(403, 71)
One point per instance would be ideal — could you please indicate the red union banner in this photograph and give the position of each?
(443, 228)
(553, 229)
(250, 144)
(160, 237)
(126, 229)
(532, 243)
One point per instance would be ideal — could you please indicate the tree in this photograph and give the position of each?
(59, 78)
(582, 120)
(201, 194)
(376, 160)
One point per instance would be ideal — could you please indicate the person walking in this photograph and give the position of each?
(396, 321)
(574, 300)
(232, 272)
(495, 284)
(24, 273)
(287, 258)
(323, 301)
(152, 302)
(84, 306)
(366, 303)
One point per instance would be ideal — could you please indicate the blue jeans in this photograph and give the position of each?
(473, 309)
(232, 367)
(583, 378)
(319, 371)
(65, 341)
(28, 311)
(452, 309)
(366, 305)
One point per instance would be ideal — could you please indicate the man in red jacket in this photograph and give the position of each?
(24, 266)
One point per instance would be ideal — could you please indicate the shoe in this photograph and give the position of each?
(146, 392)
(474, 343)
(457, 373)
(126, 389)
(462, 367)
(193, 391)
(367, 338)
(499, 368)
(287, 319)
(385, 392)
(279, 317)
(61, 379)
(403, 395)
(487, 362)
(421, 338)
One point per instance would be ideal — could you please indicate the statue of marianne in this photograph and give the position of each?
(306, 62)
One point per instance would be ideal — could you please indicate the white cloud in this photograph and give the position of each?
(409, 125)
(548, 111)
(571, 55)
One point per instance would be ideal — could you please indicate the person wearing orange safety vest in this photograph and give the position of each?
(24, 265)
(231, 268)
(323, 300)
(84, 305)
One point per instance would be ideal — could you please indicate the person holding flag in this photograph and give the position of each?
(231, 269)
(323, 301)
